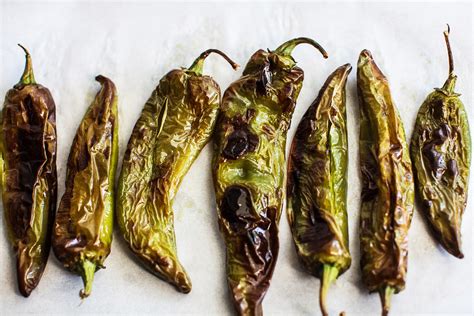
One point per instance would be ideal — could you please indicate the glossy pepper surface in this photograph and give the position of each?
(28, 174)
(176, 123)
(387, 185)
(441, 155)
(317, 184)
(84, 221)
(249, 169)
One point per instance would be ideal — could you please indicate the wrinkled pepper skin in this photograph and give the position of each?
(82, 234)
(317, 184)
(387, 185)
(249, 169)
(28, 174)
(441, 155)
(175, 125)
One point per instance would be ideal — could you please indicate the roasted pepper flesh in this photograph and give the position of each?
(28, 174)
(317, 184)
(387, 185)
(175, 125)
(84, 222)
(441, 155)
(249, 169)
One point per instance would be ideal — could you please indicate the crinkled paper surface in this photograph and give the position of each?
(136, 44)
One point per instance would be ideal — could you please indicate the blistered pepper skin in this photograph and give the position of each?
(83, 227)
(387, 185)
(441, 155)
(28, 175)
(175, 125)
(317, 184)
(249, 169)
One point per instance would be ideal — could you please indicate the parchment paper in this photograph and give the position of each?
(136, 44)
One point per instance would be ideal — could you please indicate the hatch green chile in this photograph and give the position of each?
(441, 155)
(249, 168)
(176, 123)
(28, 174)
(82, 234)
(317, 184)
(387, 185)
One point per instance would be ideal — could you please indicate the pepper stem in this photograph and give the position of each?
(28, 77)
(87, 274)
(385, 296)
(448, 46)
(330, 274)
(287, 48)
(198, 64)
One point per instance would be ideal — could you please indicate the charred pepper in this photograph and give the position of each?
(249, 168)
(387, 185)
(441, 155)
(82, 233)
(175, 125)
(28, 174)
(317, 185)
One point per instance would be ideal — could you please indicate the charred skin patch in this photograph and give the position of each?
(240, 142)
(237, 207)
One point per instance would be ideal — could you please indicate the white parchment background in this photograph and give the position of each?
(136, 44)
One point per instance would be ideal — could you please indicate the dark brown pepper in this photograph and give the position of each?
(28, 174)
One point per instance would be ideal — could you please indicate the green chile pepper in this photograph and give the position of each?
(387, 185)
(175, 125)
(28, 174)
(82, 234)
(441, 155)
(317, 185)
(249, 168)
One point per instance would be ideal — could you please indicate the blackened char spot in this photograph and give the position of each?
(237, 206)
(241, 141)
(453, 168)
(436, 159)
(369, 188)
(438, 112)
(318, 234)
(427, 204)
(83, 157)
(441, 134)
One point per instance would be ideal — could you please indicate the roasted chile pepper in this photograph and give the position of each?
(249, 168)
(175, 125)
(317, 185)
(387, 185)
(82, 233)
(28, 174)
(441, 155)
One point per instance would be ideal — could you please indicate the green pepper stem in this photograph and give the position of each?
(385, 296)
(87, 274)
(329, 274)
(28, 77)
(198, 64)
(287, 48)
(448, 47)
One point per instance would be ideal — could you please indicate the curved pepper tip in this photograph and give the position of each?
(183, 283)
(455, 250)
(366, 53)
(25, 290)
